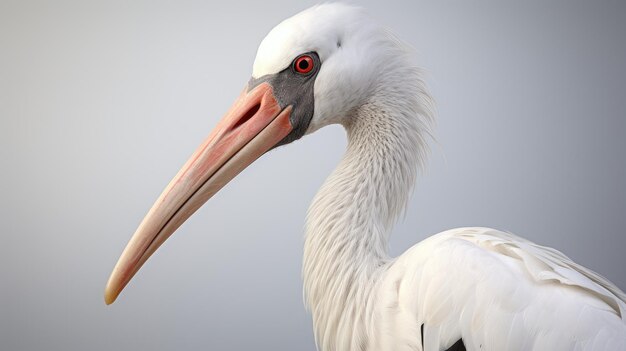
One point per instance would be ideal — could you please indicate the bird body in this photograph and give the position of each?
(467, 288)
(493, 290)
(490, 289)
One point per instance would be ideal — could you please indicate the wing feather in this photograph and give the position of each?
(498, 291)
(545, 263)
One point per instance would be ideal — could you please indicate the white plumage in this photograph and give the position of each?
(490, 289)
(494, 290)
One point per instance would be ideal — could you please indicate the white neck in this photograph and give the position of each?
(350, 219)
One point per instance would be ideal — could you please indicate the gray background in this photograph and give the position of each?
(102, 102)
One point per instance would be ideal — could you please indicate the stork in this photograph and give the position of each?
(466, 288)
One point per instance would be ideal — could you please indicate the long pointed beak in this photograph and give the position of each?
(254, 124)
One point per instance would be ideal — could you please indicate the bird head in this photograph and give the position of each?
(310, 71)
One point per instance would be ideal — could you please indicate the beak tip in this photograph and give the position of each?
(110, 295)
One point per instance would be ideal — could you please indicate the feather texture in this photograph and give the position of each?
(493, 290)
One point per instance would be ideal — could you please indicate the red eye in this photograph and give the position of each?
(304, 64)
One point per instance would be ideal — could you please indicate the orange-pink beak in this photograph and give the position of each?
(254, 124)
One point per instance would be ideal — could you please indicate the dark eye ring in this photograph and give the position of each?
(304, 64)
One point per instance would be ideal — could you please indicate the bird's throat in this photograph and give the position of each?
(350, 219)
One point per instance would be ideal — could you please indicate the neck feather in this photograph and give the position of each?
(350, 219)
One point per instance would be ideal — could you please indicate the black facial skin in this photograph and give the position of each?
(296, 89)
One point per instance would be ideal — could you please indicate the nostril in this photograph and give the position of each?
(246, 116)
